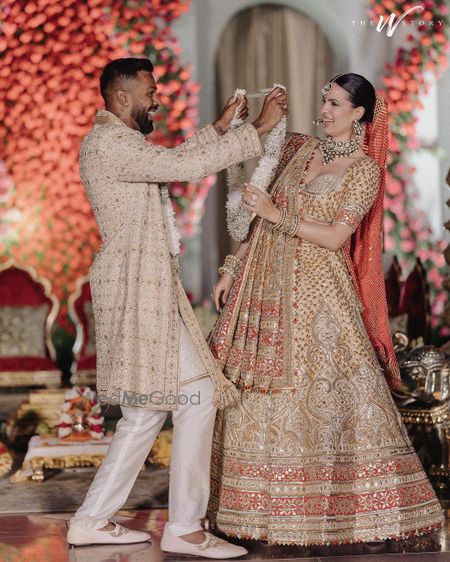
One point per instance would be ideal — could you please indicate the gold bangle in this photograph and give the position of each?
(232, 266)
(287, 224)
(292, 225)
(280, 222)
(223, 270)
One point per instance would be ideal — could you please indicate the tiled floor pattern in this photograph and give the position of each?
(42, 538)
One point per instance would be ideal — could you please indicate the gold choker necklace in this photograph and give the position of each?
(332, 149)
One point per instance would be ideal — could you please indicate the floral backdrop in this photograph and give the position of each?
(51, 55)
(407, 232)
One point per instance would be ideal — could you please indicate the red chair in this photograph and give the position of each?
(415, 302)
(28, 310)
(80, 311)
(393, 282)
(409, 301)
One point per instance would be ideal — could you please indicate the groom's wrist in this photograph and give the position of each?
(261, 127)
(220, 128)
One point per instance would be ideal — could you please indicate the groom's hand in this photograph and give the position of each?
(274, 108)
(222, 123)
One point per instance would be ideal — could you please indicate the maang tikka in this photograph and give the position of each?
(325, 91)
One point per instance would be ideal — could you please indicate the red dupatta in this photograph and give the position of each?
(363, 252)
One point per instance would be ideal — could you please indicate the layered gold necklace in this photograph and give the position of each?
(332, 149)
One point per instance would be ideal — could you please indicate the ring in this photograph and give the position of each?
(254, 199)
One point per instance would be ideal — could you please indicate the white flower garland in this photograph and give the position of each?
(172, 230)
(174, 233)
(238, 218)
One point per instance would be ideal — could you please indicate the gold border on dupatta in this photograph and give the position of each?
(297, 168)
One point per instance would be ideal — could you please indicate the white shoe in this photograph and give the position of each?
(78, 535)
(211, 547)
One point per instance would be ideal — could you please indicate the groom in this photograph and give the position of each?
(151, 356)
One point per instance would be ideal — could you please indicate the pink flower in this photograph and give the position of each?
(389, 243)
(395, 206)
(388, 224)
(400, 169)
(407, 245)
(393, 186)
(412, 143)
(394, 144)
(435, 277)
(439, 260)
(405, 232)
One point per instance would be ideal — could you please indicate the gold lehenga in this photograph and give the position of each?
(315, 452)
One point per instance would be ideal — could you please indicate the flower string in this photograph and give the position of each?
(238, 218)
(173, 233)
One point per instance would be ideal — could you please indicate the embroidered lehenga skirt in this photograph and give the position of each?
(315, 452)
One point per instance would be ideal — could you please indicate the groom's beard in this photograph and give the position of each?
(142, 119)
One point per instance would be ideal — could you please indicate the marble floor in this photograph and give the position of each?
(42, 538)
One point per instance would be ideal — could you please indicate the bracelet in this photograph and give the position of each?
(287, 224)
(280, 222)
(232, 265)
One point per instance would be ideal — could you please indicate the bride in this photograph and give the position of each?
(315, 451)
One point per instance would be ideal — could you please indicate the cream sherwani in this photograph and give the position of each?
(137, 294)
(142, 315)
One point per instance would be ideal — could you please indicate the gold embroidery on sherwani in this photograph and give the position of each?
(322, 455)
(137, 295)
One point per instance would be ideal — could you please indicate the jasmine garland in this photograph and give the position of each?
(239, 219)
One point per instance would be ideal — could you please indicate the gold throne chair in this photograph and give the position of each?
(83, 367)
(28, 310)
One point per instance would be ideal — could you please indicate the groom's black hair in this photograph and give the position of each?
(121, 68)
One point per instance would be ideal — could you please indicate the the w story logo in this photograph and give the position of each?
(392, 24)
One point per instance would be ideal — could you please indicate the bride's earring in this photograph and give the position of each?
(318, 121)
(358, 129)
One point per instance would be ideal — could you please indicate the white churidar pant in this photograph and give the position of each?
(136, 432)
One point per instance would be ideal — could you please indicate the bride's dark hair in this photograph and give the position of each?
(360, 92)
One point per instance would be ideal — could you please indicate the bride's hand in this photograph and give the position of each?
(222, 288)
(259, 202)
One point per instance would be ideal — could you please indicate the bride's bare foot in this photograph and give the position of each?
(197, 537)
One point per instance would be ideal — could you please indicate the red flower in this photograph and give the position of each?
(45, 116)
